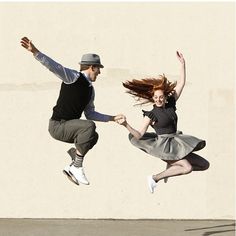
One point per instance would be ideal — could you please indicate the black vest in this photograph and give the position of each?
(72, 100)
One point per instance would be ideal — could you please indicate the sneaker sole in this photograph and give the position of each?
(71, 178)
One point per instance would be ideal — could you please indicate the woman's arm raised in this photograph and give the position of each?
(181, 81)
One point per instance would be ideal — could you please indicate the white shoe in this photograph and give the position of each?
(66, 171)
(151, 183)
(78, 175)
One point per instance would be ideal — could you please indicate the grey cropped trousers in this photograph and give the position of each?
(80, 132)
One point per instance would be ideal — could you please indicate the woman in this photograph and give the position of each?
(168, 144)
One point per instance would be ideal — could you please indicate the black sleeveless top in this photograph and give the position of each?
(164, 118)
(72, 100)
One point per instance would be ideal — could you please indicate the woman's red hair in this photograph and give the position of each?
(144, 89)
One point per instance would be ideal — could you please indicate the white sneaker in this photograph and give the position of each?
(66, 171)
(78, 175)
(151, 183)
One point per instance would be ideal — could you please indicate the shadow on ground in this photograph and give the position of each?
(108, 227)
(214, 229)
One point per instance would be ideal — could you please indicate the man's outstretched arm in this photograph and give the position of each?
(67, 75)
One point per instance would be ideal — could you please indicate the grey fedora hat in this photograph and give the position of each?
(91, 59)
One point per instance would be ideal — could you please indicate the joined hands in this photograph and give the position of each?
(120, 119)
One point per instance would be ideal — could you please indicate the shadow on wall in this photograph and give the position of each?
(30, 86)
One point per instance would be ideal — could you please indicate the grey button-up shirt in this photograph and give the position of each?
(69, 76)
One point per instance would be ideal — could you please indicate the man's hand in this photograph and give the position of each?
(27, 44)
(120, 119)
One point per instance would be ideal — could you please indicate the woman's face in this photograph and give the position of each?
(159, 98)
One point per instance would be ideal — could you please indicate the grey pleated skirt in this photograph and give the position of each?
(174, 146)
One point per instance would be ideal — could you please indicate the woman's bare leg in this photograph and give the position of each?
(176, 168)
(198, 163)
(167, 167)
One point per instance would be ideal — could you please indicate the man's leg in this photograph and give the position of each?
(83, 134)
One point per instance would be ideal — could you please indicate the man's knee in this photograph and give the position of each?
(91, 129)
(95, 138)
(90, 125)
(86, 143)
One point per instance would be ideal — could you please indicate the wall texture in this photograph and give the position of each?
(134, 40)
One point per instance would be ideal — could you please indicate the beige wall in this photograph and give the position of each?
(134, 40)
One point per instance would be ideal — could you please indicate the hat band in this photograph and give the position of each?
(91, 62)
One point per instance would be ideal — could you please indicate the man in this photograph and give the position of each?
(76, 96)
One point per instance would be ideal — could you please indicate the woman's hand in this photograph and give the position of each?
(181, 81)
(121, 120)
(180, 57)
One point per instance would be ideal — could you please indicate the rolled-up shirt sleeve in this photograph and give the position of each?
(65, 74)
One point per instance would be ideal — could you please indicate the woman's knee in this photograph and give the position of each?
(187, 169)
(185, 165)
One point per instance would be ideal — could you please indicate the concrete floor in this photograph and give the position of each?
(77, 227)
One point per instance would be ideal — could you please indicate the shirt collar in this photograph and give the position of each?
(86, 77)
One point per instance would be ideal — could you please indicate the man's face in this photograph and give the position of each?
(94, 72)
